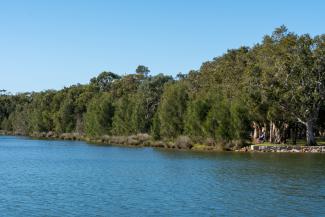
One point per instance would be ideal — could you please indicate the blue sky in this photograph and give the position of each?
(51, 44)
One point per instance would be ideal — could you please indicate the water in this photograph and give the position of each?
(60, 178)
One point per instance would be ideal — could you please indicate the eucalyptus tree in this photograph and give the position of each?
(104, 80)
(142, 70)
(294, 76)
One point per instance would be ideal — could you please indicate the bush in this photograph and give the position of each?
(183, 142)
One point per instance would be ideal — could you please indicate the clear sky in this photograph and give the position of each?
(51, 44)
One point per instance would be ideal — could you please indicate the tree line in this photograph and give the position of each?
(277, 87)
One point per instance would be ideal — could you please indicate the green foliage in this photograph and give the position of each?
(104, 81)
(99, 116)
(139, 117)
(20, 121)
(222, 115)
(212, 122)
(122, 121)
(142, 70)
(172, 110)
(281, 80)
(155, 129)
(196, 117)
(146, 101)
(240, 121)
(66, 116)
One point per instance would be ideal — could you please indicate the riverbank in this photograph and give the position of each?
(181, 143)
(139, 140)
(287, 148)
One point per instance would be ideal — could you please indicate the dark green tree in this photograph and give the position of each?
(99, 116)
(122, 121)
(172, 110)
(142, 70)
(104, 80)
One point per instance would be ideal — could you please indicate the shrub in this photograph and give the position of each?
(183, 142)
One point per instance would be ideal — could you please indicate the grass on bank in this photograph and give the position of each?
(199, 147)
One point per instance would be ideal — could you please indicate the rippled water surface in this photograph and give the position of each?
(60, 178)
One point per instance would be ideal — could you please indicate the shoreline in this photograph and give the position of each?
(288, 148)
(144, 140)
(139, 140)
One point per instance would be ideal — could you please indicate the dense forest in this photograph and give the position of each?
(277, 87)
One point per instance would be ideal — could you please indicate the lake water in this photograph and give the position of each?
(62, 178)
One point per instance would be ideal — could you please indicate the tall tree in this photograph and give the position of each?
(122, 121)
(298, 78)
(99, 116)
(142, 70)
(172, 110)
(104, 80)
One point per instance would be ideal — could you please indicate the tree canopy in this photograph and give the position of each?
(276, 86)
